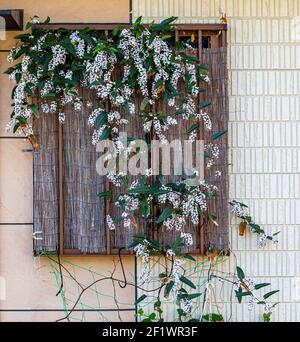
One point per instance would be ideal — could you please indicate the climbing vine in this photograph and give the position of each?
(53, 64)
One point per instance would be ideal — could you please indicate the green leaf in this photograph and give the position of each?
(193, 296)
(160, 192)
(68, 46)
(20, 52)
(187, 282)
(144, 207)
(157, 304)
(269, 294)
(267, 317)
(126, 107)
(144, 103)
(238, 294)
(34, 109)
(105, 194)
(213, 318)
(23, 37)
(218, 135)
(177, 243)
(47, 21)
(152, 316)
(260, 286)
(167, 212)
(140, 299)
(189, 296)
(118, 219)
(158, 83)
(101, 120)
(168, 288)
(240, 273)
(181, 312)
(18, 76)
(28, 25)
(166, 36)
(105, 134)
(50, 96)
(193, 128)
(245, 294)
(189, 257)
(16, 126)
(140, 190)
(137, 22)
(256, 227)
(168, 21)
(9, 70)
(204, 104)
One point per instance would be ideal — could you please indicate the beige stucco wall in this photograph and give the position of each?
(264, 89)
(27, 283)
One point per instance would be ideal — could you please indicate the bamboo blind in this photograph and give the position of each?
(45, 181)
(66, 207)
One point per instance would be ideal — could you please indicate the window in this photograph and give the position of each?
(68, 215)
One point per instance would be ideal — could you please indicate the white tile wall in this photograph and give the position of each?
(264, 89)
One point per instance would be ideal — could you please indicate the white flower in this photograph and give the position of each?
(205, 78)
(61, 118)
(45, 108)
(268, 308)
(187, 238)
(262, 240)
(141, 250)
(116, 179)
(77, 104)
(187, 306)
(53, 107)
(175, 222)
(170, 253)
(251, 303)
(25, 62)
(69, 75)
(148, 172)
(110, 222)
(218, 173)
(35, 20)
(59, 56)
(237, 209)
(147, 126)
(207, 120)
(92, 118)
(48, 88)
(78, 43)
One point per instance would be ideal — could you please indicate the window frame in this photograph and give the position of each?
(218, 38)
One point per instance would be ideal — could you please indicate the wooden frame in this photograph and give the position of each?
(216, 34)
(13, 19)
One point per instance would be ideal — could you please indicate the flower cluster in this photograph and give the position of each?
(242, 211)
(78, 43)
(142, 251)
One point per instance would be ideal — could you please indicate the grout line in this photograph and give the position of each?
(12, 137)
(265, 69)
(16, 224)
(62, 310)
